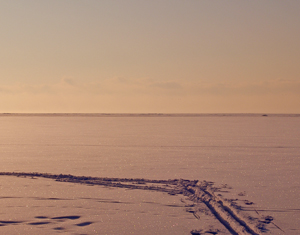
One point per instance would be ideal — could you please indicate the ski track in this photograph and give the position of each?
(197, 191)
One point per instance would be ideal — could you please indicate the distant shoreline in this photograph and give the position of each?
(149, 115)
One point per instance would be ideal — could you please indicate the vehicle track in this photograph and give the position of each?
(236, 223)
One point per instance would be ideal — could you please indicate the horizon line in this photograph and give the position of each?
(149, 114)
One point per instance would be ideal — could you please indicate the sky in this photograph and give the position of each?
(141, 56)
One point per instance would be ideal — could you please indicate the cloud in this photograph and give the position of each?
(68, 81)
(132, 87)
(166, 85)
(244, 88)
(4, 89)
(149, 95)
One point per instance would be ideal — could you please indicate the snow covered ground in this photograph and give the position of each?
(252, 159)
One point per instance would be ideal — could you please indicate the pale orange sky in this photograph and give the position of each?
(150, 56)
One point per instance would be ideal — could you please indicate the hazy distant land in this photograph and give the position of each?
(153, 114)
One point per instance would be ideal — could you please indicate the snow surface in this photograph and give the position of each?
(253, 158)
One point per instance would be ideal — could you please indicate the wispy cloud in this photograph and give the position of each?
(117, 85)
(148, 95)
(68, 81)
(252, 88)
(166, 85)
